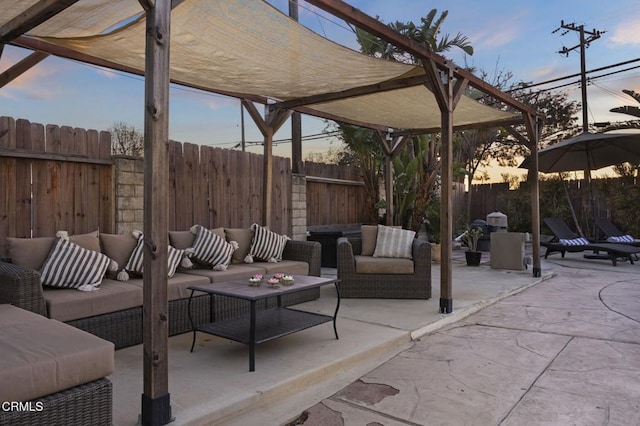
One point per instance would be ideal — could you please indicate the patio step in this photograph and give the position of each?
(280, 403)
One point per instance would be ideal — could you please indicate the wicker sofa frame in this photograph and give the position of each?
(383, 286)
(21, 287)
(87, 404)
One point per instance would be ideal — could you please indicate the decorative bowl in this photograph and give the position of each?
(255, 281)
(287, 280)
(274, 282)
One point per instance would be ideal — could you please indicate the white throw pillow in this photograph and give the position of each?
(394, 242)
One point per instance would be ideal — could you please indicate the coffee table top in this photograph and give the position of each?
(241, 288)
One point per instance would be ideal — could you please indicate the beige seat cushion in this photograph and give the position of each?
(177, 285)
(233, 272)
(289, 267)
(243, 236)
(42, 356)
(383, 265)
(66, 305)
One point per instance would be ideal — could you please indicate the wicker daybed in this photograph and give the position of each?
(21, 287)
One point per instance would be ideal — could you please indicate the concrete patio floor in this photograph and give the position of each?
(516, 350)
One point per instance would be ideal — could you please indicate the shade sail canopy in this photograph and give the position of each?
(588, 151)
(248, 49)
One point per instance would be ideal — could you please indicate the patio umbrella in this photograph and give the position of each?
(587, 151)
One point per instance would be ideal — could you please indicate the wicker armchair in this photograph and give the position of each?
(383, 286)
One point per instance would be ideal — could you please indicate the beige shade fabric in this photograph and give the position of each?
(251, 49)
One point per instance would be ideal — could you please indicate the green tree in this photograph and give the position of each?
(421, 154)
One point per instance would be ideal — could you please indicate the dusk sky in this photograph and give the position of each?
(515, 36)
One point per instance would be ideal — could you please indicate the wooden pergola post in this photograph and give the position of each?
(390, 150)
(156, 408)
(447, 95)
(274, 119)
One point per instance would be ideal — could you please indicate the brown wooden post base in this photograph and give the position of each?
(446, 306)
(156, 411)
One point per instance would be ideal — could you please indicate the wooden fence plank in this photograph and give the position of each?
(67, 178)
(190, 159)
(23, 181)
(80, 183)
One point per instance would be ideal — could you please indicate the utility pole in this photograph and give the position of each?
(584, 43)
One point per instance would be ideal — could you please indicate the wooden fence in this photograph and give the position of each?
(335, 195)
(221, 187)
(53, 178)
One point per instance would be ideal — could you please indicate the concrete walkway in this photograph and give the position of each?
(563, 352)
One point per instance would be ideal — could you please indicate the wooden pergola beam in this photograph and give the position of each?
(356, 17)
(21, 67)
(32, 17)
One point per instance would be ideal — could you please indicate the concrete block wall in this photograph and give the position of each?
(299, 207)
(129, 184)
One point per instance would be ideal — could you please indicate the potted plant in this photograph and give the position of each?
(470, 240)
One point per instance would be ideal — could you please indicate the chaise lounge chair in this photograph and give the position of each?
(613, 235)
(565, 240)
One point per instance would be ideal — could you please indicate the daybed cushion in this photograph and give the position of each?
(118, 247)
(243, 236)
(39, 356)
(66, 305)
(32, 252)
(383, 265)
(177, 285)
(289, 267)
(233, 272)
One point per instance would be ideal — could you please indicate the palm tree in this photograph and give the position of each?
(425, 149)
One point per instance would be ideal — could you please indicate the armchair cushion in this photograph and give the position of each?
(369, 237)
(394, 242)
(383, 265)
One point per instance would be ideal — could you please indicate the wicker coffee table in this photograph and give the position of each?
(265, 324)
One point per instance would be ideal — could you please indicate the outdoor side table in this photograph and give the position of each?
(262, 325)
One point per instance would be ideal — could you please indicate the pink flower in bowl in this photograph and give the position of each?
(273, 281)
(257, 276)
(278, 276)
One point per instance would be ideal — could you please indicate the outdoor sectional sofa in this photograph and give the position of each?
(114, 312)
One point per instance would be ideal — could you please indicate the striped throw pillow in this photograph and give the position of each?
(266, 245)
(136, 260)
(71, 266)
(211, 250)
(394, 242)
(574, 241)
(621, 239)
